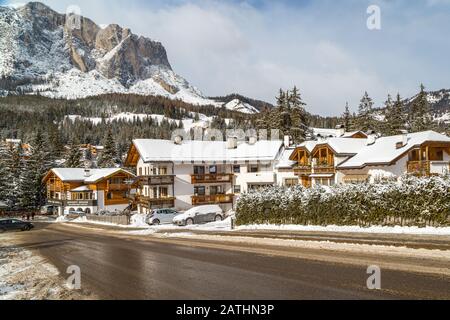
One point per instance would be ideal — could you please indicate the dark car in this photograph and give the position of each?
(14, 224)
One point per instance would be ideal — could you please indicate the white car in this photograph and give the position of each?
(162, 216)
(199, 215)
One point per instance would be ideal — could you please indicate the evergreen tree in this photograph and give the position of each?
(35, 166)
(395, 121)
(421, 119)
(109, 154)
(365, 120)
(74, 156)
(5, 173)
(346, 118)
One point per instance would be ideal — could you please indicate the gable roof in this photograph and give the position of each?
(343, 146)
(78, 174)
(207, 151)
(384, 150)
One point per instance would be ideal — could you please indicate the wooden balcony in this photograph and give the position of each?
(212, 199)
(324, 169)
(118, 187)
(157, 180)
(212, 178)
(303, 170)
(420, 168)
(156, 203)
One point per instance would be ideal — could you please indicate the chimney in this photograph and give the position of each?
(252, 140)
(404, 140)
(340, 130)
(232, 143)
(371, 140)
(178, 140)
(87, 173)
(287, 141)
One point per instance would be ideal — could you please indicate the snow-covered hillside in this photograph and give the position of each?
(238, 105)
(203, 122)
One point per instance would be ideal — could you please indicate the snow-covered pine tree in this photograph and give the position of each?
(346, 118)
(15, 166)
(74, 156)
(395, 121)
(299, 129)
(109, 155)
(5, 173)
(365, 120)
(421, 119)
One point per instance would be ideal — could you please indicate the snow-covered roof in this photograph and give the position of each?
(207, 151)
(345, 146)
(3, 205)
(81, 189)
(310, 145)
(384, 150)
(79, 175)
(283, 160)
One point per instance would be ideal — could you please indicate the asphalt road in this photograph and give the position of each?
(130, 267)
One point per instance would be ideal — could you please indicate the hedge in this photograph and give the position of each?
(411, 201)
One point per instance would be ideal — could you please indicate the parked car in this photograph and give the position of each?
(199, 215)
(15, 224)
(162, 216)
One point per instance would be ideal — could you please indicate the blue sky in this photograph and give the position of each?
(254, 47)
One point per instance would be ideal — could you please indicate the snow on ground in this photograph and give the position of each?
(351, 229)
(27, 276)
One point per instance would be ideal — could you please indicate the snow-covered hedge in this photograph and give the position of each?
(411, 202)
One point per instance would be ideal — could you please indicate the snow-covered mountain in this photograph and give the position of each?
(72, 57)
(239, 106)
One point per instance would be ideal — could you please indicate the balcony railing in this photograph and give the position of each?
(212, 199)
(156, 203)
(427, 168)
(212, 178)
(421, 168)
(324, 169)
(303, 170)
(118, 187)
(160, 180)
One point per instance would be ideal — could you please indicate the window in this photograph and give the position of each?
(290, 182)
(215, 190)
(237, 189)
(237, 169)
(253, 168)
(88, 211)
(200, 191)
(163, 192)
(163, 171)
(109, 195)
(213, 169)
(140, 171)
(440, 155)
(199, 170)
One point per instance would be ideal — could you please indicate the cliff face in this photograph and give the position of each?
(44, 51)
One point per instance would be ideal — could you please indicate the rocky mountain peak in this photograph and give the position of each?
(71, 56)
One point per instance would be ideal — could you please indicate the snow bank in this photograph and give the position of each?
(351, 229)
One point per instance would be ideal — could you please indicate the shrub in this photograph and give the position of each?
(411, 201)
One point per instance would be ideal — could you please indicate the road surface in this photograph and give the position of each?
(121, 266)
